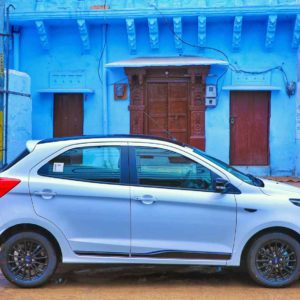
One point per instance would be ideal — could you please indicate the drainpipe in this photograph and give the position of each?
(7, 66)
(16, 43)
(2, 14)
(297, 171)
(104, 82)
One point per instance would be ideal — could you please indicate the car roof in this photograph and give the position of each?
(127, 136)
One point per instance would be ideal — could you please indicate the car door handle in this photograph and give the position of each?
(45, 194)
(146, 199)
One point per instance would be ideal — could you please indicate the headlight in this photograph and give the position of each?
(295, 201)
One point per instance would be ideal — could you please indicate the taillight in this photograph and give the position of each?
(7, 184)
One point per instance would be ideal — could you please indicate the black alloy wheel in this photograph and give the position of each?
(28, 259)
(274, 260)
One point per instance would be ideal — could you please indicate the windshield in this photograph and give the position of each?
(248, 178)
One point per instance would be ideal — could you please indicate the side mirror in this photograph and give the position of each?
(223, 186)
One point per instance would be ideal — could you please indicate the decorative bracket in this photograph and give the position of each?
(43, 34)
(153, 33)
(84, 34)
(178, 33)
(271, 31)
(296, 35)
(237, 32)
(131, 35)
(201, 31)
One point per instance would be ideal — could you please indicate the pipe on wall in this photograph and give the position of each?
(104, 82)
(16, 48)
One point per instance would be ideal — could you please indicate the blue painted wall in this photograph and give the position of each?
(105, 115)
(19, 129)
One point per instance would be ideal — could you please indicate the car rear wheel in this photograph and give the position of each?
(28, 259)
(273, 260)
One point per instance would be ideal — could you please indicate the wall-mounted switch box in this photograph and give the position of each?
(211, 91)
(211, 102)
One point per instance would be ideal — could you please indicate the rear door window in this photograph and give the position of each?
(95, 164)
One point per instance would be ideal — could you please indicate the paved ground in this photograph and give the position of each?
(146, 282)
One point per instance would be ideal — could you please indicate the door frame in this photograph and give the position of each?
(196, 77)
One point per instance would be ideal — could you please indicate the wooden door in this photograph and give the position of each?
(68, 115)
(249, 128)
(167, 110)
(169, 99)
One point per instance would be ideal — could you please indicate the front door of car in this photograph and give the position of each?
(83, 190)
(175, 211)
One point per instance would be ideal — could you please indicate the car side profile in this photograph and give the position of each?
(141, 200)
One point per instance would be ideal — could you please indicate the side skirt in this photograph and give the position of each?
(162, 254)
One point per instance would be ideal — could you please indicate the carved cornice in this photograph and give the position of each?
(237, 32)
(296, 34)
(271, 31)
(84, 34)
(201, 31)
(177, 24)
(131, 34)
(43, 34)
(153, 33)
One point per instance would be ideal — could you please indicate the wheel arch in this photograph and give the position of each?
(34, 228)
(279, 229)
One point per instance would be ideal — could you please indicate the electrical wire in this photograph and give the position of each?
(231, 66)
(103, 49)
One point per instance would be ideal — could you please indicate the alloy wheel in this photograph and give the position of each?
(276, 260)
(27, 259)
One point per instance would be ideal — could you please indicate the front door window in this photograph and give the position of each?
(158, 167)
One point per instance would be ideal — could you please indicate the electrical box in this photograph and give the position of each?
(211, 102)
(211, 96)
(211, 91)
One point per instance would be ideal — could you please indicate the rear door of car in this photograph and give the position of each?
(83, 190)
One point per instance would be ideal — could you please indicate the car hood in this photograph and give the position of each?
(276, 188)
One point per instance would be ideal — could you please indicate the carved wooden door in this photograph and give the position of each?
(168, 103)
(166, 111)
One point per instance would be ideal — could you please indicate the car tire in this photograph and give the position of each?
(28, 259)
(273, 260)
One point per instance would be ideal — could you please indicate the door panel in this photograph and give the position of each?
(249, 128)
(177, 110)
(167, 111)
(68, 115)
(157, 109)
(178, 219)
(86, 198)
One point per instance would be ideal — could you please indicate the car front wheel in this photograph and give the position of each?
(273, 260)
(28, 259)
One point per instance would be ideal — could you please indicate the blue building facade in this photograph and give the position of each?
(152, 66)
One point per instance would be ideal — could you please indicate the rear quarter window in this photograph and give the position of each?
(15, 161)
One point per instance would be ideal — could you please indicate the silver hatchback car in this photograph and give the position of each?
(142, 200)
